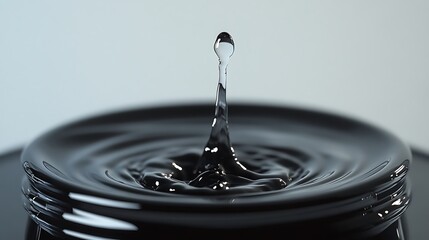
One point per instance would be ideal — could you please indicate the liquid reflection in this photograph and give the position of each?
(85, 218)
(396, 231)
(95, 166)
(102, 201)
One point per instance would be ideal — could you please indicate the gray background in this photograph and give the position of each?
(63, 60)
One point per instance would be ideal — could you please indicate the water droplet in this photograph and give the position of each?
(224, 48)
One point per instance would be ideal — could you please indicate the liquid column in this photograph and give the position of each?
(218, 158)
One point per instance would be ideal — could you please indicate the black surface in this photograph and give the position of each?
(13, 218)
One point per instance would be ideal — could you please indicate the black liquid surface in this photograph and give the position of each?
(346, 179)
(218, 170)
(14, 218)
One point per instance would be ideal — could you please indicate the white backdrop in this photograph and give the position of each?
(63, 60)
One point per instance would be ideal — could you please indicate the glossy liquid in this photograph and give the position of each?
(147, 172)
(348, 178)
(218, 169)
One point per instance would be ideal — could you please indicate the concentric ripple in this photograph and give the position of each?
(144, 160)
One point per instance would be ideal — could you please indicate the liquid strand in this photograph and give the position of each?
(218, 167)
(218, 150)
(217, 170)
